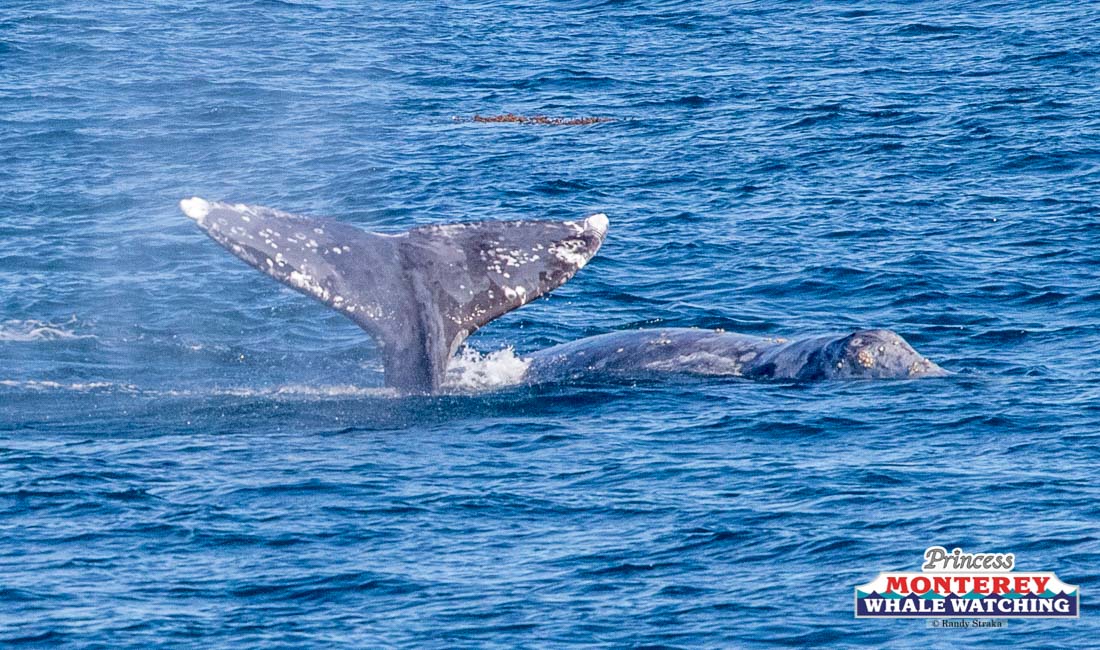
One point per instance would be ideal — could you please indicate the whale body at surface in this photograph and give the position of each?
(420, 293)
(865, 354)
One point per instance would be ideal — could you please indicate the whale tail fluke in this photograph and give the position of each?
(419, 294)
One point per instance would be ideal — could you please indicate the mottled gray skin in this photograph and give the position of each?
(866, 354)
(420, 293)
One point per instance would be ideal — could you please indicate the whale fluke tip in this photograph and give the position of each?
(597, 222)
(195, 208)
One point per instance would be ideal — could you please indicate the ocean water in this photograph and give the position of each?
(192, 455)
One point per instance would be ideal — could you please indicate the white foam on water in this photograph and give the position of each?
(473, 372)
(23, 331)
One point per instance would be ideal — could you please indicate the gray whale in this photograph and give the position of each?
(864, 354)
(420, 293)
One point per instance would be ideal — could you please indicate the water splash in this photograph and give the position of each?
(473, 372)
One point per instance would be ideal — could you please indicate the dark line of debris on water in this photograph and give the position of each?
(512, 118)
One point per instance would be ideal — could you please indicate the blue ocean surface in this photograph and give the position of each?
(193, 456)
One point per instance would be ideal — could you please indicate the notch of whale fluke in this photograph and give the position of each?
(420, 293)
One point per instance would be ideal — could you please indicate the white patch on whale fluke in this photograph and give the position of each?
(472, 372)
(195, 208)
(597, 222)
(571, 253)
(308, 284)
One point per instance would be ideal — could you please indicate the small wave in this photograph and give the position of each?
(36, 330)
(296, 390)
(288, 391)
(471, 372)
(82, 387)
(285, 391)
(921, 29)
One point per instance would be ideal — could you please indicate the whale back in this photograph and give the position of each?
(419, 294)
(863, 354)
(636, 354)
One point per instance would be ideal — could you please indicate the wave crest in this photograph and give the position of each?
(23, 331)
